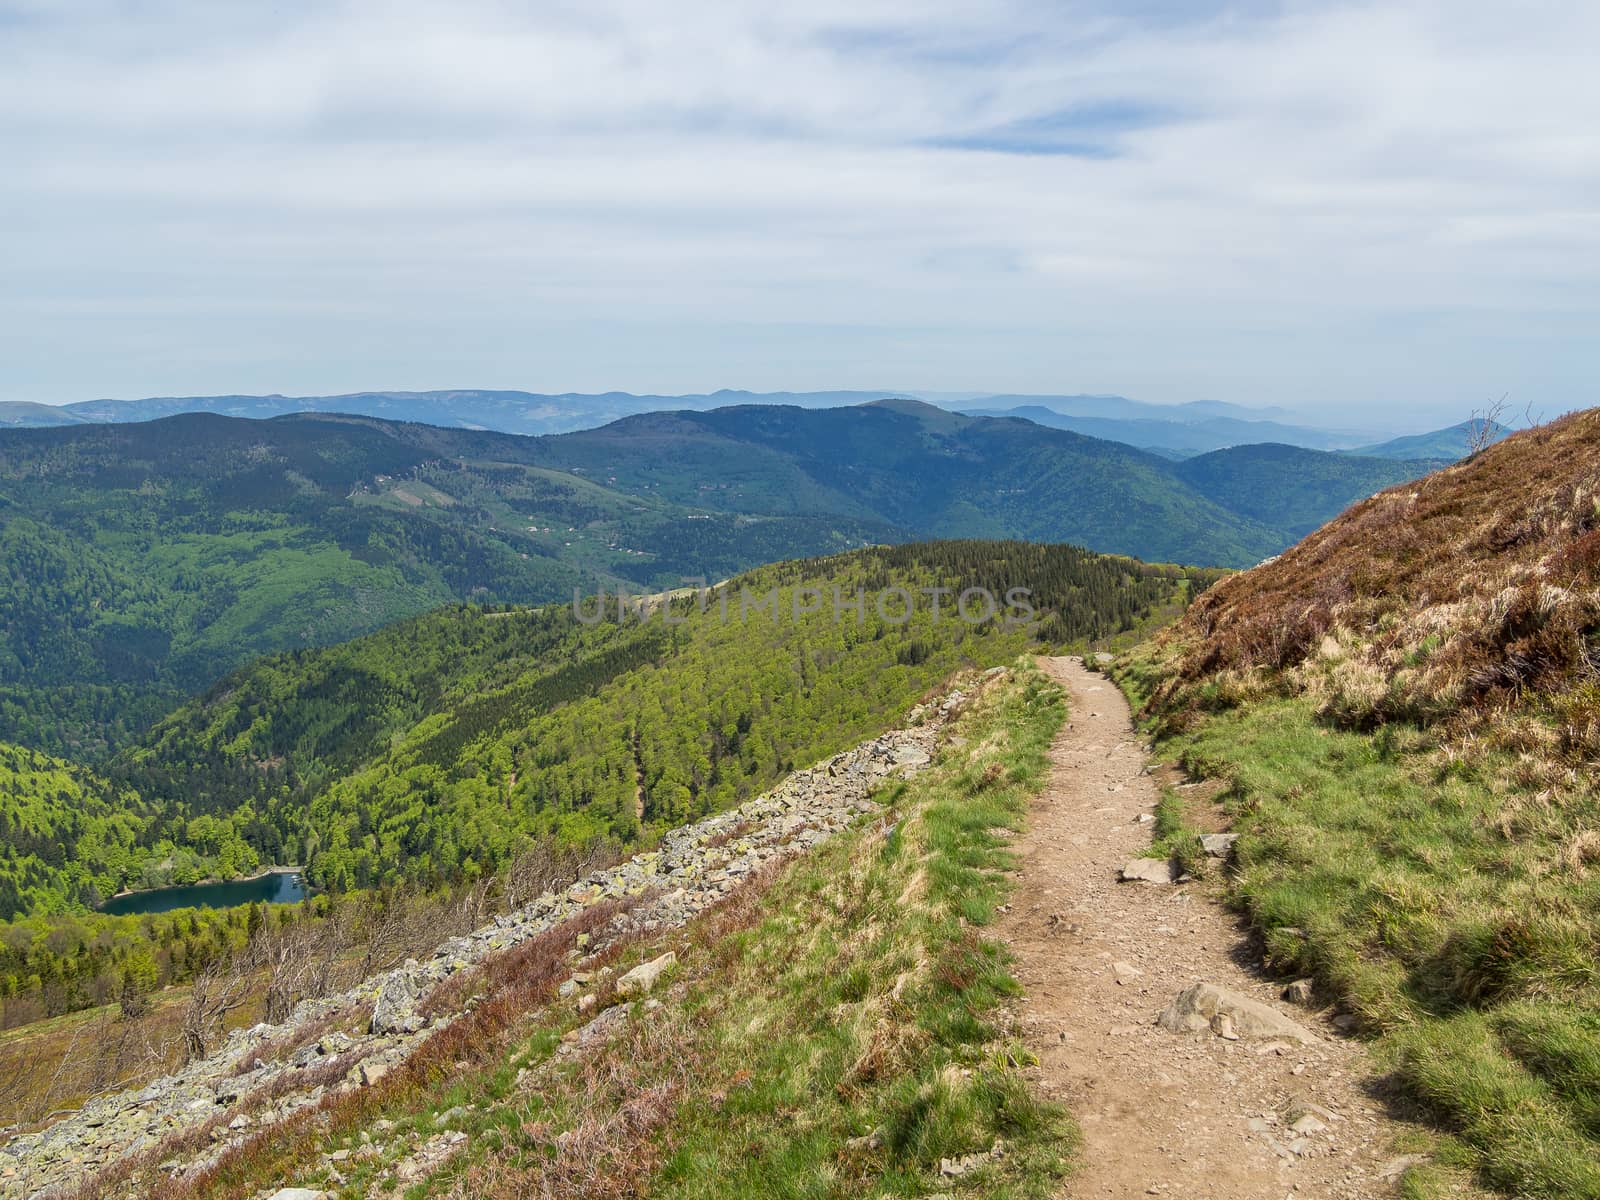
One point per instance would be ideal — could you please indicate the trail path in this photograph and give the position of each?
(1187, 1114)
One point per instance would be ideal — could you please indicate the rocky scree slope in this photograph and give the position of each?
(264, 1075)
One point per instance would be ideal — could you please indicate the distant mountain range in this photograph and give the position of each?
(503, 411)
(1173, 431)
(1188, 431)
(1176, 430)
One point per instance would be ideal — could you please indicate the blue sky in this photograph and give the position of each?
(1358, 211)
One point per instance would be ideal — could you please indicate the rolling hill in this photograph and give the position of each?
(1443, 444)
(141, 561)
(940, 473)
(536, 413)
(22, 415)
(1292, 489)
(461, 408)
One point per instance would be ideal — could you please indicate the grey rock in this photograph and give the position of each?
(298, 1193)
(396, 1004)
(1301, 992)
(1148, 870)
(1195, 1008)
(642, 978)
(1218, 845)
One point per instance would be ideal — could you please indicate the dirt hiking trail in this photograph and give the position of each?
(1188, 1114)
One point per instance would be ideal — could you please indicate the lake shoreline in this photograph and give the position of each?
(275, 885)
(261, 874)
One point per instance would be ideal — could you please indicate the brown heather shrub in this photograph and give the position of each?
(1453, 598)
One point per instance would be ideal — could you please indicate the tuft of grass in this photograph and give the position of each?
(1176, 837)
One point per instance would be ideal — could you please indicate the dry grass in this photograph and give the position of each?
(56, 1065)
(1452, 599)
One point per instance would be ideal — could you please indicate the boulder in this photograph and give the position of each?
(1200, 1006)
(642, 978)
(1148, 870)
(394, 1011)
(298, 1194)
(911, 756)
(1218, 845)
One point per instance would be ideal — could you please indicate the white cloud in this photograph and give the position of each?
(1352, 206)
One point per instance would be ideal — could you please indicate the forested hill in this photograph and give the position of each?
(65, 833)
(938, 473)
(139, 562)
(942, 474)
(433, 749)
(1292, 488)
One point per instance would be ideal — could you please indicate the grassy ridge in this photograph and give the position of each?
(1406, 709)
(431, 749)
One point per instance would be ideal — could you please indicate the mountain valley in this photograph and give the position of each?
(543, 804)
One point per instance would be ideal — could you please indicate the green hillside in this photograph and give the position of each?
(1441, 445)
(937, 473)
(140, 562)
(67, 836)
(431, 748)
(432, 751)
(1292, 489)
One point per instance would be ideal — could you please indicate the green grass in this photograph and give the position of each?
(1446, 909)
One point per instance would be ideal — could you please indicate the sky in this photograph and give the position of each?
(1355, 211)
